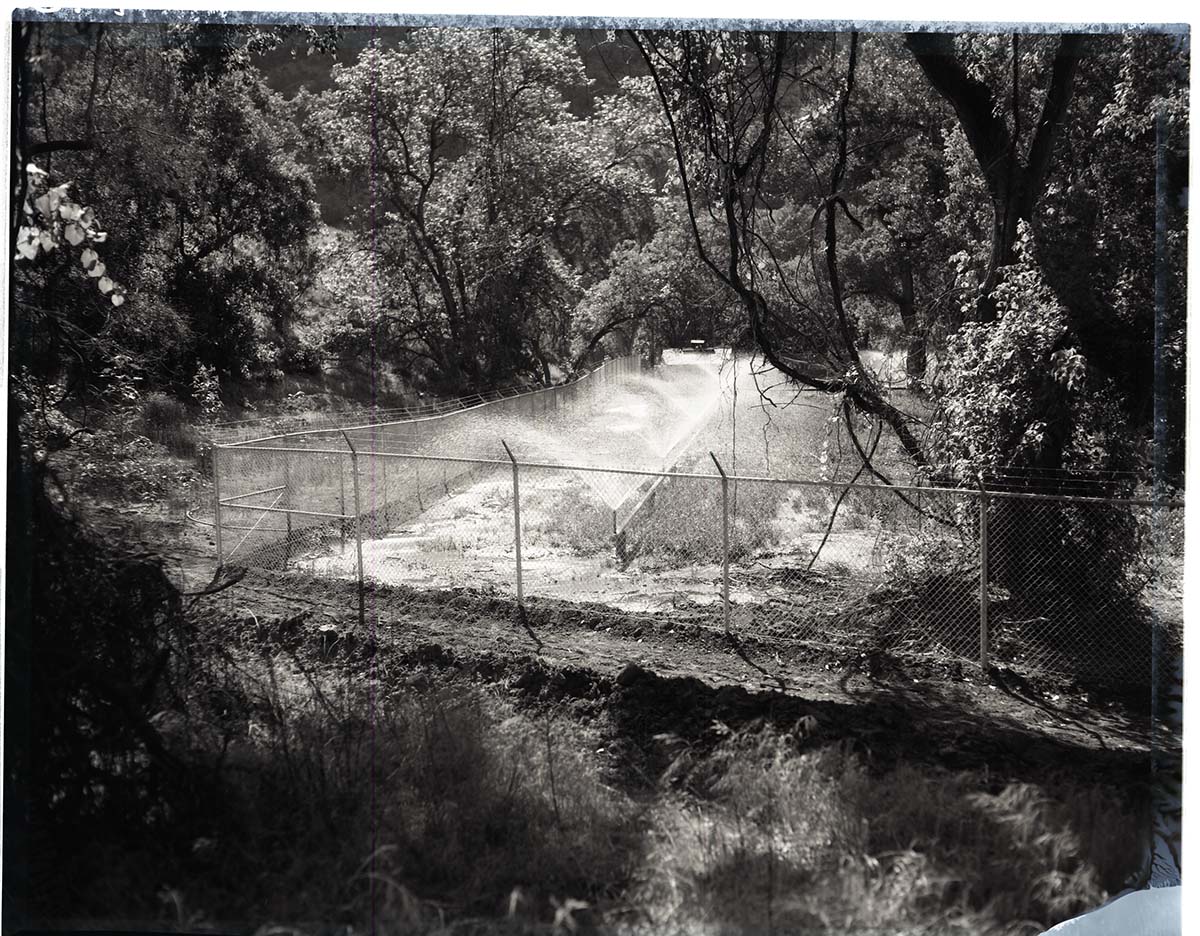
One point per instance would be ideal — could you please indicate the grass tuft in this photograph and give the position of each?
(404, 809)
(761, 837)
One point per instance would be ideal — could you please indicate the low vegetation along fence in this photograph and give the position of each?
(1079, 585)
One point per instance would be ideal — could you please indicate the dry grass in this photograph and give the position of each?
(396, 810)
(166, 421)
(682, 525)
(765, 839)
(318, 800)
(565, 520)
(422, 811)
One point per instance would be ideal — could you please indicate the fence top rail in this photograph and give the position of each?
(485, 401)
(346, 453)
(1173, 503)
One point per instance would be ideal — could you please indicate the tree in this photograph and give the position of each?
(656, 295)
(1121, 168)
(926, 212)
(1014, 155)
(197, 176)
(1078, 164)
(244, 209)
(737, 105)
(916, 210)
(485, 188)
(841, 194)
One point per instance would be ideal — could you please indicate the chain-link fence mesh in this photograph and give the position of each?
(512, 399)
(856, 566)
(276, 505)
(471, 431)
(1084, 586)
(622, 510)
(1074, 585)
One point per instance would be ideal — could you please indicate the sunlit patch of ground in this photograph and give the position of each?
(569, 551)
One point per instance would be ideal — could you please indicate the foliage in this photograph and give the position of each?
(395, 800)
(485, 192)
(210, 51)
(43, 426)
(206, 391)
(1019, 395)
(989, 201)
(765, 166)
(59, 314)
(167, 422)
(54, 220)
(769, 831)
(98, 644)
(127, 468)
(1097, 237)
(1018, 392)
(808, 194)
(921, 163)
(198, 184)
(655, 295)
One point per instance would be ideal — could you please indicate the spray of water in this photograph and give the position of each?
(643, 421)
(649, 424)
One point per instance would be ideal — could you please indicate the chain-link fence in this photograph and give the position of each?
(595, 499)
(463, 430)
(287, 503)
(1069, 584)
(303, 422)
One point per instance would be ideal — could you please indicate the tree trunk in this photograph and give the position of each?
(915, 360)
(1015, 184)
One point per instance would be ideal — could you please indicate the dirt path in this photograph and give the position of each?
(656, 677)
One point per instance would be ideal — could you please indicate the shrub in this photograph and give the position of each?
(1020, 395)
(299, 402)
(392, 801)
(301, 356)
(206, 391)
(165, 420)
(768, 837)
(96, 646)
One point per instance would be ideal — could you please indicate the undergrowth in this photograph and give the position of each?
(401, 808)
(762, 836)
(203, 774)
(318, 800)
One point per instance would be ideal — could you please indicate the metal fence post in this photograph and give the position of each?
(983, 580)
(342, 497)
(387, 509)
(620, 543)
(516, 522)
(362, 602)
(287, 491)
(724, 539)
(216, 452)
